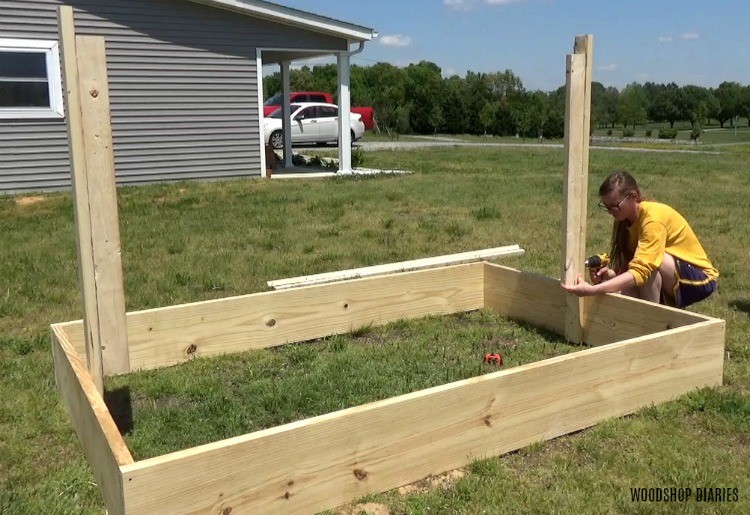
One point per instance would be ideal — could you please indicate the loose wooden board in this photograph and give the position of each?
(402, 266)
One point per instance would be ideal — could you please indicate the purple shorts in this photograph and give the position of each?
(693, 284)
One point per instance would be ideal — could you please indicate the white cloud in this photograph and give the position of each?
(684, 35)
(503, 2)
(459, 5)
(608, 67)
(644, 76)
(395, 40)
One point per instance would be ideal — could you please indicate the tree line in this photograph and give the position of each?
(418, 99)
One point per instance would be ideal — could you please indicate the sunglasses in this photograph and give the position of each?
(612, 209)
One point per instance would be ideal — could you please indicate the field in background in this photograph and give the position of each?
(712, 135)
(193, 241)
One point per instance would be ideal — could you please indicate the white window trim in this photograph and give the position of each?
(52, 54)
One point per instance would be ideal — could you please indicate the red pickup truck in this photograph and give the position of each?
(273, 103)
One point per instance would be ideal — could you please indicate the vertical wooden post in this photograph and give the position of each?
(577, 126)
(94, 199)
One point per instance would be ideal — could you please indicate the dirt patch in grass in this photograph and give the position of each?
(29, 201)
(431, 483)
(368, 508)
(443, 481)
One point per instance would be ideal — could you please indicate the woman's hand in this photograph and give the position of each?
(601, 275)
(580, 288)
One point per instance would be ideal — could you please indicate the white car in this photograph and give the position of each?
(312, 122)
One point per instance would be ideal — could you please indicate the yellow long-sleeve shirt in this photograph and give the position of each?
(660, 229)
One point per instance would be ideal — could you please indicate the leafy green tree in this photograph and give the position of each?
(488, 116)
(601, 113)
(326, 78)
(301, 79)
(477, 94)
(529, 111)
(662, 104)
(271, 85)
(631, 107)
(701, 115)
(689, 100)
(539, 114)
(403, 116)
(505, 89)
(435, 117)
(745, 104)
(603, 105)
(695, 133)
(387, 86)
(503, 84)
(729, 95)
(424, 90)
(555, 126)
(613, 101)
(454, 106)
(712, 105)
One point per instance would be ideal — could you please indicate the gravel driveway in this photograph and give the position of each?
(428, 141)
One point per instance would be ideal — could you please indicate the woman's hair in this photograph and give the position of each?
(624, 184)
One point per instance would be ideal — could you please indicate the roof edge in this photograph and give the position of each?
(295, 17)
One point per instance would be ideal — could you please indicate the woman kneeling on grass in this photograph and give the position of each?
(655, 254)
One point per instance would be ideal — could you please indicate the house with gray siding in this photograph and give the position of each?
(185, 79)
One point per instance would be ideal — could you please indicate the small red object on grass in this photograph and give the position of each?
(497, 359)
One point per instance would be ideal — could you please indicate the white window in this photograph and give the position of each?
(30, 85)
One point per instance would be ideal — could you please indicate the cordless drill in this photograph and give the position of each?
(597, 261)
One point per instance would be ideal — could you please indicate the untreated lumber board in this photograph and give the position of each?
(402, 266)
(95, 199)
(525, 296)
(102, 191)
(82, 209)
(611, 318)
(167, 336)
(585, 45)
(573, 219)
(102, 443)
(314, 464)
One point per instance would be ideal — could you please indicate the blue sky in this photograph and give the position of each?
(701, 42)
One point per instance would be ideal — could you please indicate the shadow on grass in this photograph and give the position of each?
(741, 305)
(120, 407)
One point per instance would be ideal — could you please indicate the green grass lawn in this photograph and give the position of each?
(266, 388)
(194, 241)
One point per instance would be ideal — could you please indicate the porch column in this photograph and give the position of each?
(345, 136)
(286, 125)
